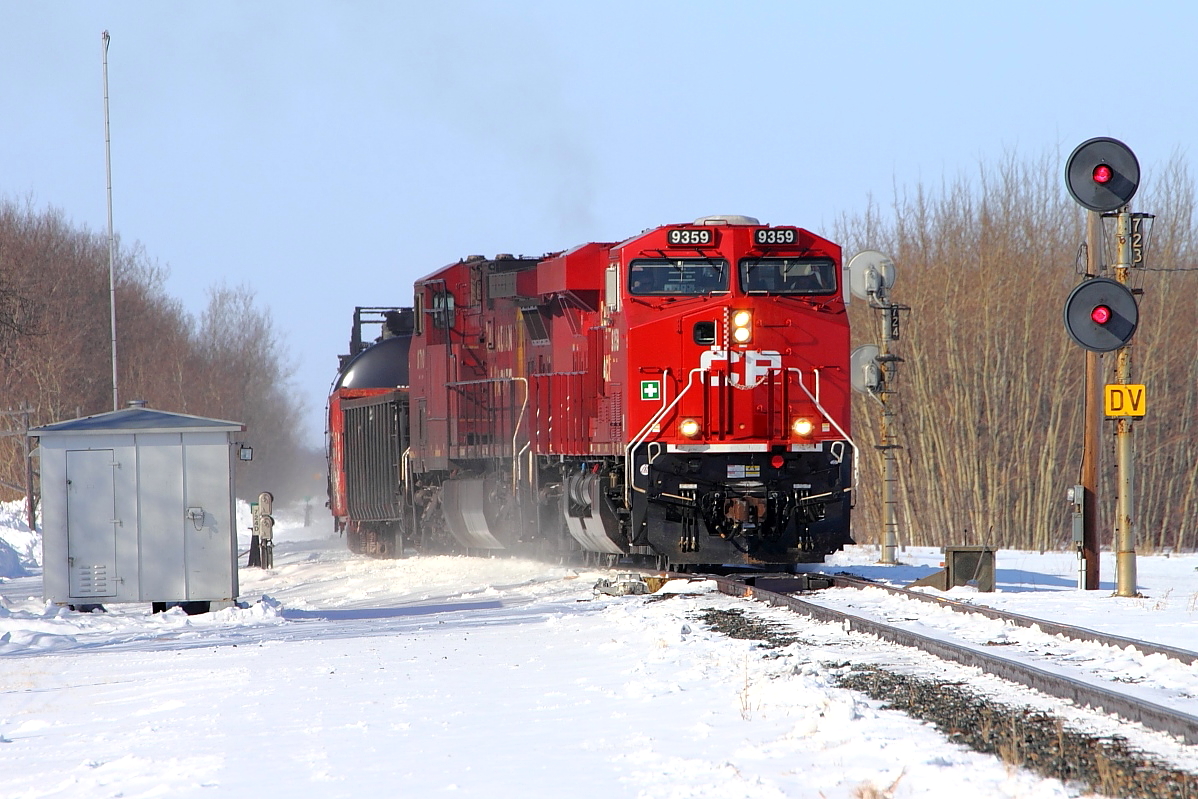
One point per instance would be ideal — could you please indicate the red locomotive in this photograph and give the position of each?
(682, 395)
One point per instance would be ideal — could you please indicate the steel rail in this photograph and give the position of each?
(1151, 715)
(1019, 620)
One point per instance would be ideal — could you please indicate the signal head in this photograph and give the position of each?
(1101, 314)
(869, 273)
(1102, 174)
(864, 372)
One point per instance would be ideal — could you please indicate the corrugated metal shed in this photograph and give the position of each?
(138, 506)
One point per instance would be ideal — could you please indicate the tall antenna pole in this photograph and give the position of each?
(111, 238)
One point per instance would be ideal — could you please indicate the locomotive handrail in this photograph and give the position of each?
(663, 410)
(661, 413)
(517, 473)
(519, 417)
(640, 437)
(516, 433)
(405, 466)
(409, 498)
(815, 399)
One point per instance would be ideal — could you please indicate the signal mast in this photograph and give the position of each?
(873, 370)
(1101, 315)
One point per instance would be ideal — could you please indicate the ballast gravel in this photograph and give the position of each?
(1025, 737)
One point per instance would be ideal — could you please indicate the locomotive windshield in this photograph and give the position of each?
(788, 275)
(678, 276)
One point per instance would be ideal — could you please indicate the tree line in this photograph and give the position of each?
(227, 362)
(989, 392)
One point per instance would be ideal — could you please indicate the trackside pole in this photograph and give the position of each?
(889, 443)
(1090, 575)
(870, 276)
(1125, 534)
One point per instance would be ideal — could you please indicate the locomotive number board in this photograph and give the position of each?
(690, 237)
(775, 236)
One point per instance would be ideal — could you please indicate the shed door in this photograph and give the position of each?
(210, 540)
(91, 523)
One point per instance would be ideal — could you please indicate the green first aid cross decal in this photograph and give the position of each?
(650, 389)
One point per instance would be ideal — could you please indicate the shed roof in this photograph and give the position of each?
(138, 420)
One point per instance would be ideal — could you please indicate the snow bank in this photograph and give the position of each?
(20, 547)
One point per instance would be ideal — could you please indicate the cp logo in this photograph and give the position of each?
(745, 370)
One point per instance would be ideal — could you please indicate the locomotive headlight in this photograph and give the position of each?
(802, 427)
(742, 326)
(689, 428)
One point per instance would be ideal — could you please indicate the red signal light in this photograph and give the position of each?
(1103, 174)
(777, 461)
(1101, 314)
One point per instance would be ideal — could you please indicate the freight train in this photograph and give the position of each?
(681, 396)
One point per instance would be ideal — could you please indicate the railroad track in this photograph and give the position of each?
(1050, 627)
(1085, 693)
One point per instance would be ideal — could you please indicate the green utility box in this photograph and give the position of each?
(963, 566)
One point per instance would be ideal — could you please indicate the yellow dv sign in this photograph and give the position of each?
(1119, 400)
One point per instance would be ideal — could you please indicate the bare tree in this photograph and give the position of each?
(55, 341)
(990, 390)
(247, 372)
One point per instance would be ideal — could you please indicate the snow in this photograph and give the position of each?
(477, 677)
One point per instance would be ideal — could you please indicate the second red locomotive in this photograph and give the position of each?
(682, 395)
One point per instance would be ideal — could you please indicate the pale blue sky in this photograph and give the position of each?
(327, 154)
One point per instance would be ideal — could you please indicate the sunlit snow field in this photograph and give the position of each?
(345, 676)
